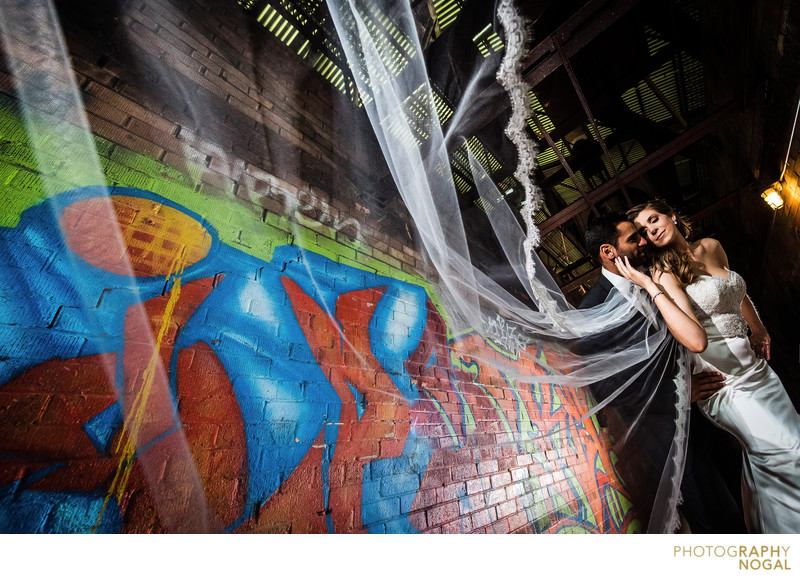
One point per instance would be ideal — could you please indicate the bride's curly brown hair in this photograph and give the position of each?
(668, 259)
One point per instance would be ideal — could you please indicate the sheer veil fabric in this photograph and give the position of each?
(621, 348)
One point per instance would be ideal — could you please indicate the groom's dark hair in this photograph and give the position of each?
(601, 231)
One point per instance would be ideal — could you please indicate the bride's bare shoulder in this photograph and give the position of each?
(706, 246)
(710, 243)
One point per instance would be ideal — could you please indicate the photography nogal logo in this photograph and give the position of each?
(762, 557)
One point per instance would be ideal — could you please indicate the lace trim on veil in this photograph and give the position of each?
(510, 77)
(681, 417)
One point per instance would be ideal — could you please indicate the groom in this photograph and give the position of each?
(709, 505)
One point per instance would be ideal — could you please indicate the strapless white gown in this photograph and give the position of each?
(753, 406)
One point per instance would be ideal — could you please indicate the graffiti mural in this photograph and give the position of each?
(154, 378)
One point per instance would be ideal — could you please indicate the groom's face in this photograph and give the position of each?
(630, 243)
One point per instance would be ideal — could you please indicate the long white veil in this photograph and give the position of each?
(621, 344)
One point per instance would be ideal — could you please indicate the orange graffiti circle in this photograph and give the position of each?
(133, 236)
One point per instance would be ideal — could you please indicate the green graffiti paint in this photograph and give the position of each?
(535, 504)
(238, 222)
(526, 426)
(503, 419)
(581, 497)
(470, 424)
(445, 418)
(559, 505)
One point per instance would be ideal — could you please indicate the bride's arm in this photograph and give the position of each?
(673, 304)
(759, 338)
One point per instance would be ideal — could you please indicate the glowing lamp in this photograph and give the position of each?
(773, 196)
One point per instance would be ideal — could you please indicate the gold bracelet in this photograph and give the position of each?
(657, 294)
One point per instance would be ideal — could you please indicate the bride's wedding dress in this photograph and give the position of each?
(753, 406)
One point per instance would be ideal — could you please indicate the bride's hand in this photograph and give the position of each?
(759, 341)
(629, 272)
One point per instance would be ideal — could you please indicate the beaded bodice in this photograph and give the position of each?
(718, 302)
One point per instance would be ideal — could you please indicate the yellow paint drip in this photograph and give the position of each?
(133, 422)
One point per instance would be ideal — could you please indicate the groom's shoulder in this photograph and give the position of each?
(598, 293)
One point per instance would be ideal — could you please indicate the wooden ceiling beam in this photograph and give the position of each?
(581, 28)
(640, 168)
(584, 26)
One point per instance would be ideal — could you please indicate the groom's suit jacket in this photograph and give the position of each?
(598, 294)
(630, 402)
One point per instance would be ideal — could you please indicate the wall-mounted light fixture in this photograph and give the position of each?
(772, 195)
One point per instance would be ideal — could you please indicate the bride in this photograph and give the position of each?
(753, 405)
